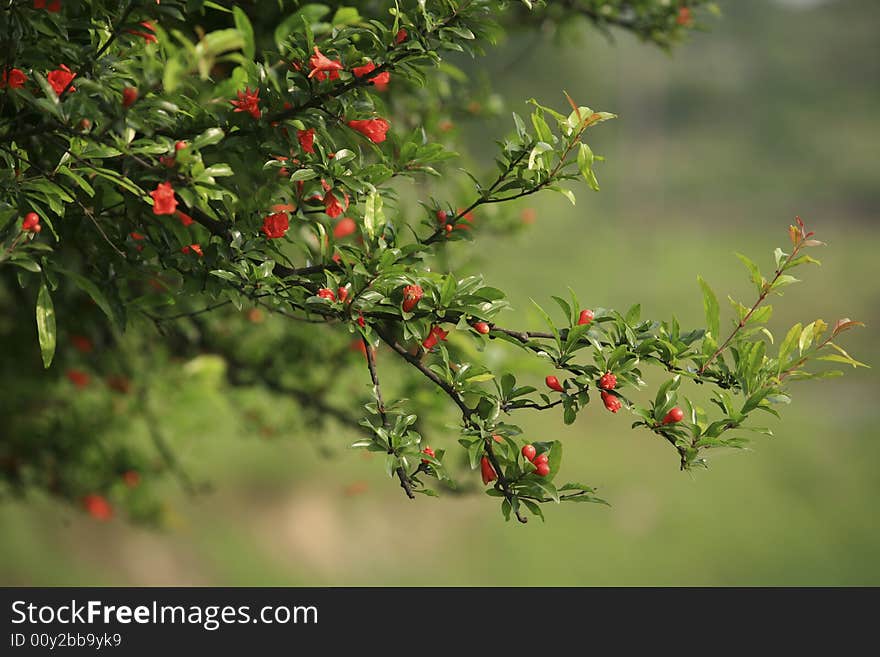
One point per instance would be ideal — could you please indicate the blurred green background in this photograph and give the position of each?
(775, 112)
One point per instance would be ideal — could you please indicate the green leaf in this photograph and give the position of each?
(46, 325)
(711, 308)
(209, 137)
(243, 25)
(754, 272)
(97, 296)
(373, 215)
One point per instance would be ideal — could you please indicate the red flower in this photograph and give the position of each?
(78, 378)
(586, 316)
(673, 416)
(137, 237)
(131, 478)
(481, 327)
(98, 507)
(326, 293)
(194, 248)
(163, 199)
(380, 81)
(185, 219)
(15, 78)
(60, 78)
(81, 343)
(333, 207)
(323, 67)
(372, 129)
(275, 225)
(685, 17)
(344, 227)
(487, 471)
(436, 335)
(306, 139)
(361, 321)
(149, 36)
(553, 383)
(248, 101)
(411, 296)
(608, 381)
(611, 402)
(129, 96)
(31, 223)
(430, 452)
(401, 36)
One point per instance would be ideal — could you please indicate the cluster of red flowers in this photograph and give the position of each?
(31, 223)
(380, 80)
(53, 6)
(540, 461)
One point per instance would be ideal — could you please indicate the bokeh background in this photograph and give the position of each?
(774, 112)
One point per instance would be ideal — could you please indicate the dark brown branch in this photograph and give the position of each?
(380, 406)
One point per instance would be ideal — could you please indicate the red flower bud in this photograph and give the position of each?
(81, 343)
(608, 381)
(674, 415)
(192, 248)
(180, 145)
(344, 227)
(129, 96)
(528, 451)
(586, 316)
(429, 452)
(436, 335)
(498, 439)
(553, 383)
(400, 37)
(612, 403)
(360, 321)
(542, 470)
(326, 293)
(185, 219)
(343, 293)
(541, 458)
(448, 228)
(98, 507)
(685, 17)
(441, 216)
(131, 478)
(487, 471)
(481, 327)
(412, 294)
(78, 378)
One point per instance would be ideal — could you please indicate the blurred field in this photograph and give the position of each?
(775, 113)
